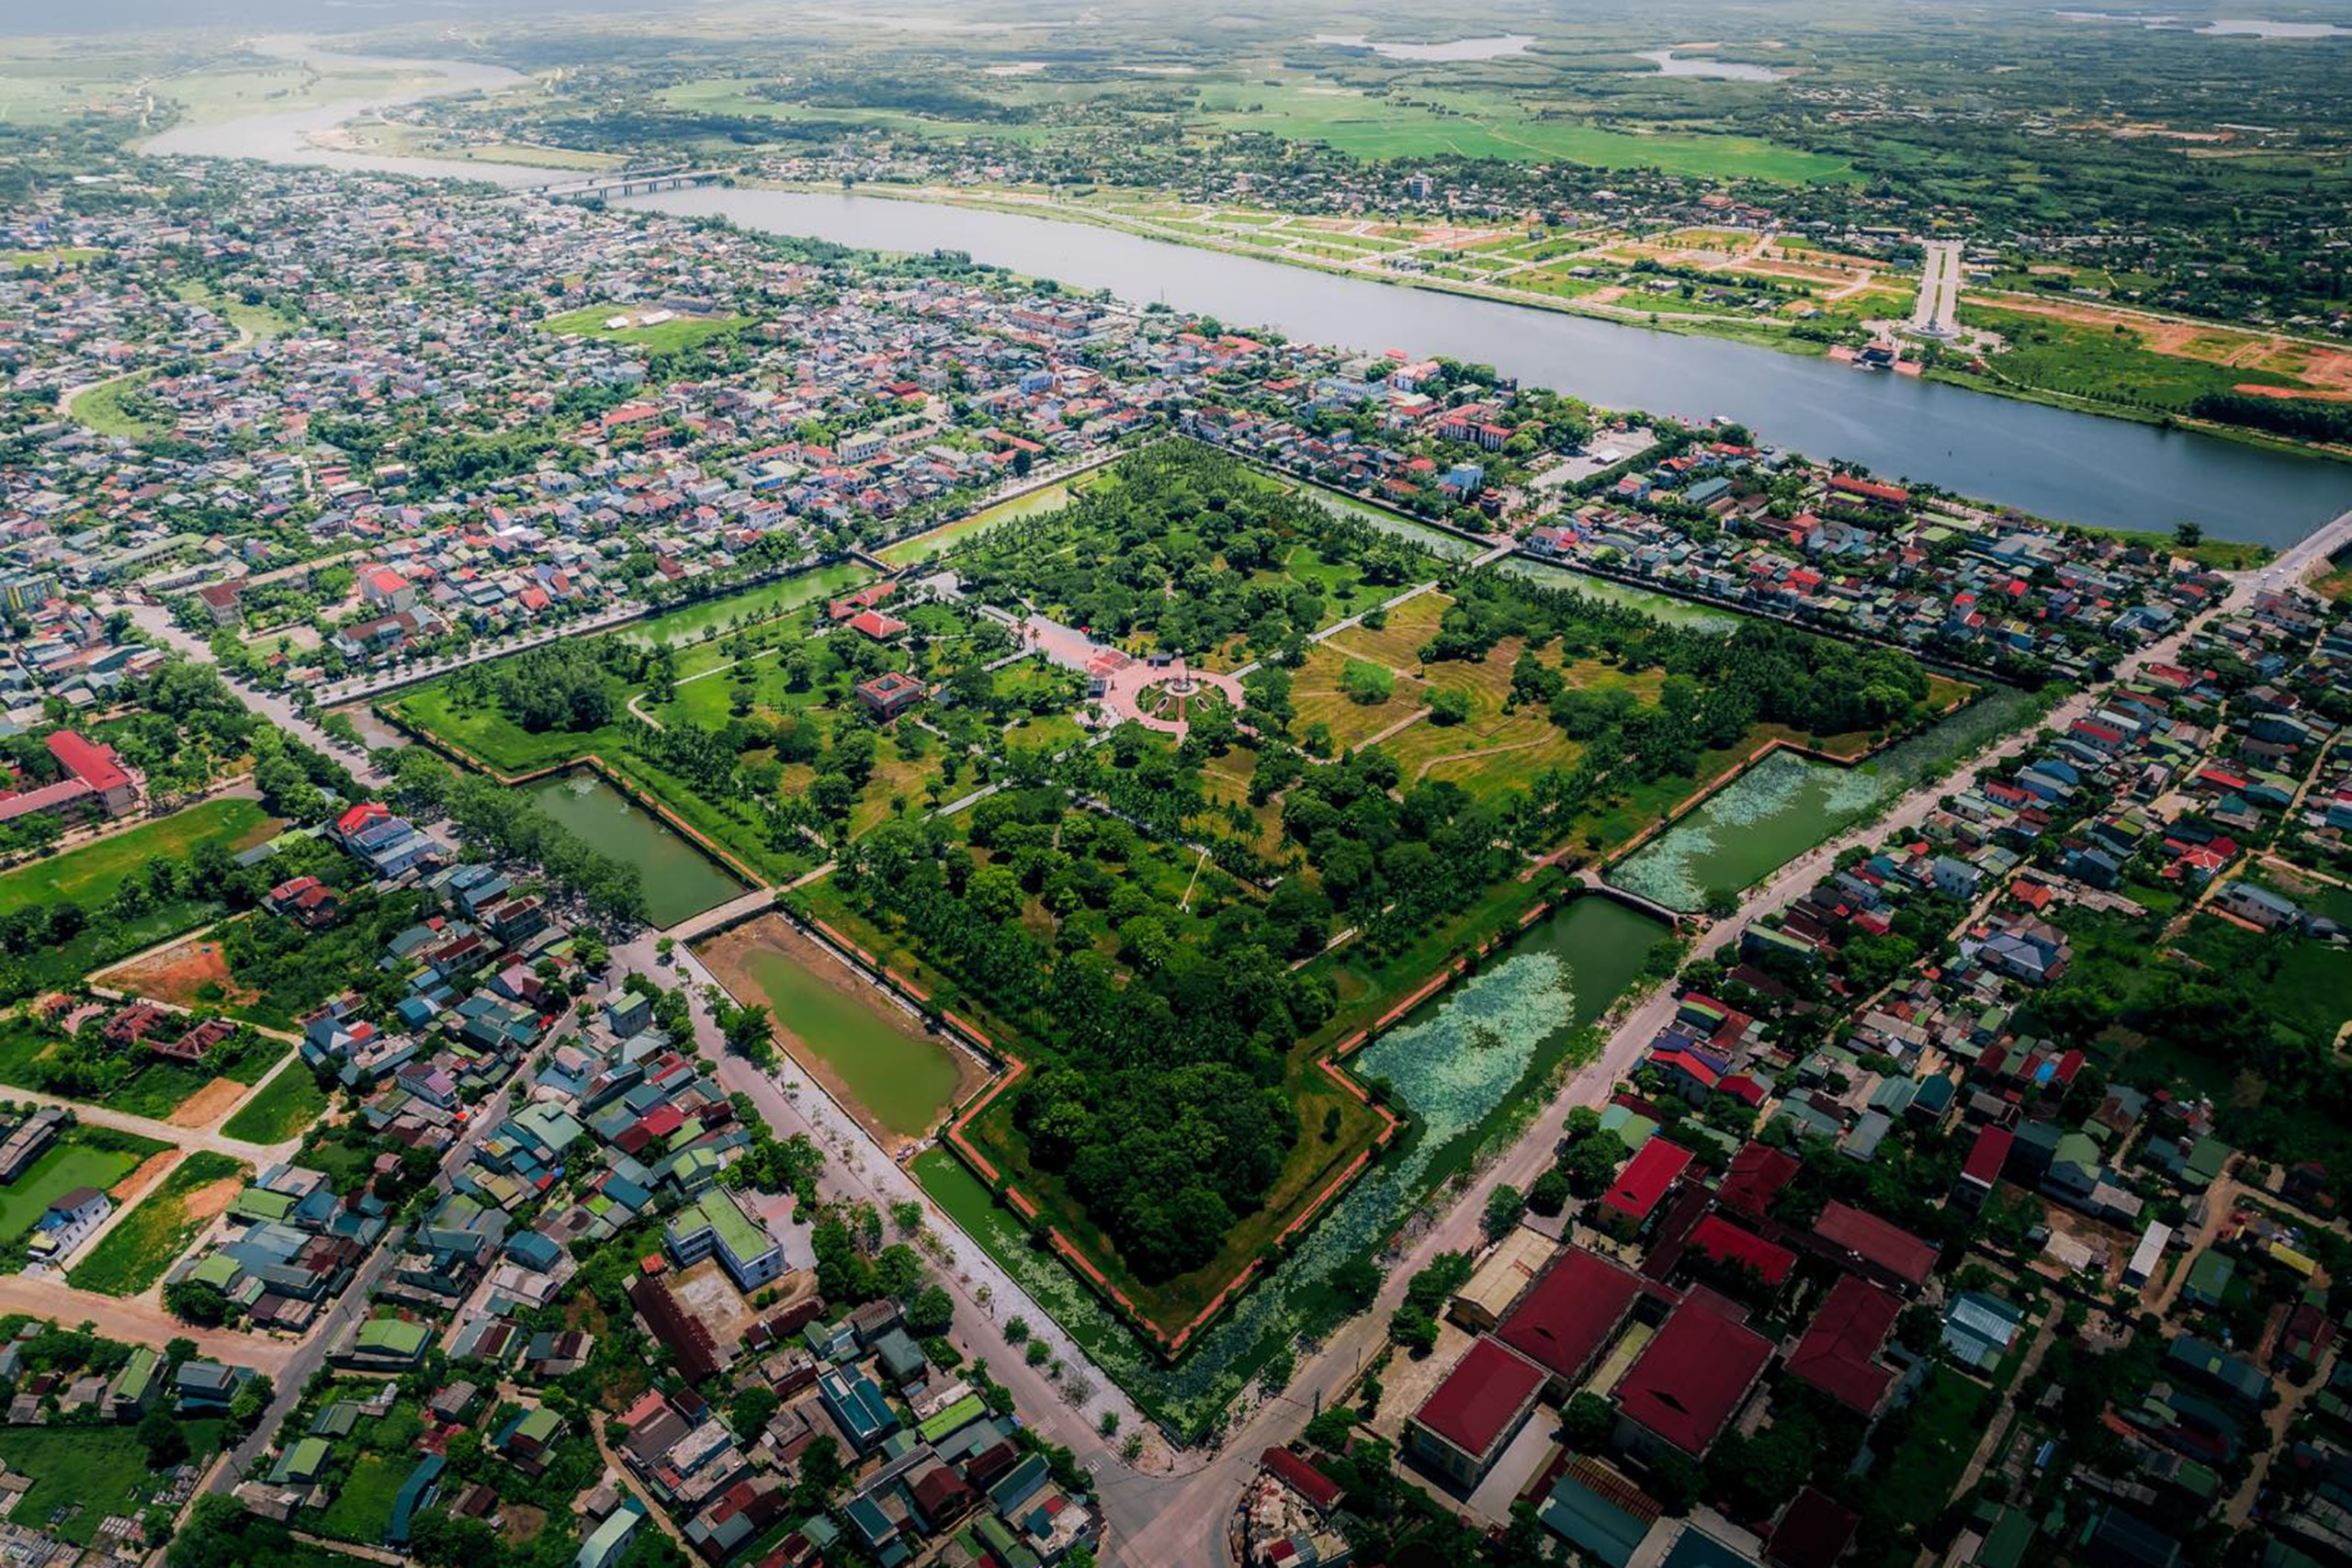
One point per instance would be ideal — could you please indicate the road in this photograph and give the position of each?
(1937, 312)
(299, 1360)
(275, 706)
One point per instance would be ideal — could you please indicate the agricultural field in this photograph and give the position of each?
(133, 1256)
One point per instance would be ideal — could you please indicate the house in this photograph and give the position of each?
(719, 1225)
(609, 1542)
(1641, 1186)
(890, 693)
(1569, 1315)
(93, 783)
(1465, 1424)
(72, 1219)
(1838, 1352)
(1692, 1378)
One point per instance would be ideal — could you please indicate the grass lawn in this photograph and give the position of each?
(69, 1163)
(662, 337)
(90, 875)
(160, 1087)
(287, 1105)
(769, 600)
(362, 1511)
(55, 259)
(100, 410)
(148, 1240)
(84, 1473)
(922, 547)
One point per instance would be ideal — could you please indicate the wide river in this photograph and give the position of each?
(2071, 467)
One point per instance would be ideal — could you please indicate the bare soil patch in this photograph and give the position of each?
(213, 1198)
(210, 1103)
(180, 975)
(151, 1170)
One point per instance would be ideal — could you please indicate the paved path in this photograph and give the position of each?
(162, 1131)
(275, 706)
(1936, 314)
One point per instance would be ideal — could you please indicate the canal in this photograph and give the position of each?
(2054, 463)
(1789, 804)
(679, 880)
(868, 1052)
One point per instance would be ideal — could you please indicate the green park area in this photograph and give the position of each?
(1391, 781)
(1411, 731)
(147, 1240)
(119, 408)
(665, 336)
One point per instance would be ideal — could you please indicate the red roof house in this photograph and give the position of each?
(1692, 1377)
(1727, 1245)
(1640, 1187)
(1869, 1239)
(1464, 1426)
(1837, 1354)
(1570, 1313)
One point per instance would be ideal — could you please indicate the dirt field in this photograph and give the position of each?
(210, 1103)
(177, 974)
(151, 1170)
(213, 1198)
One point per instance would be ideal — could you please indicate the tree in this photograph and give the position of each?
(1448, 704)
(1365, 683)
(1356, 1281)
(931, 1312)
(1504, 1205)
(1587, 1423)
(195, 1302)
(1548, 1194)
(751, 1410)
(166, 1445)
(251, 1399)
(749, 1032)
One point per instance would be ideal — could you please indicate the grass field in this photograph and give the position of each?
(100, 410)
(663, 337)
(147, 1240)
(289, 1104)
(362, 1510)
(82, 1475)
(90, 875)
(1495, 125)
(55, 259)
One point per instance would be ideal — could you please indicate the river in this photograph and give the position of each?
(2072, 467)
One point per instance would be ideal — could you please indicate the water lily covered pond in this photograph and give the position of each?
(1465, 1064)
(1788, 803)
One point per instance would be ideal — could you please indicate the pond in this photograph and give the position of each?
(679, 880)
(1496, 48)
(1464, 1062)
(1787, 805)
(1668, 63)
(859, 1042)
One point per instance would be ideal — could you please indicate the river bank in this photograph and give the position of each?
(1750, 331)
(2088, 468)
